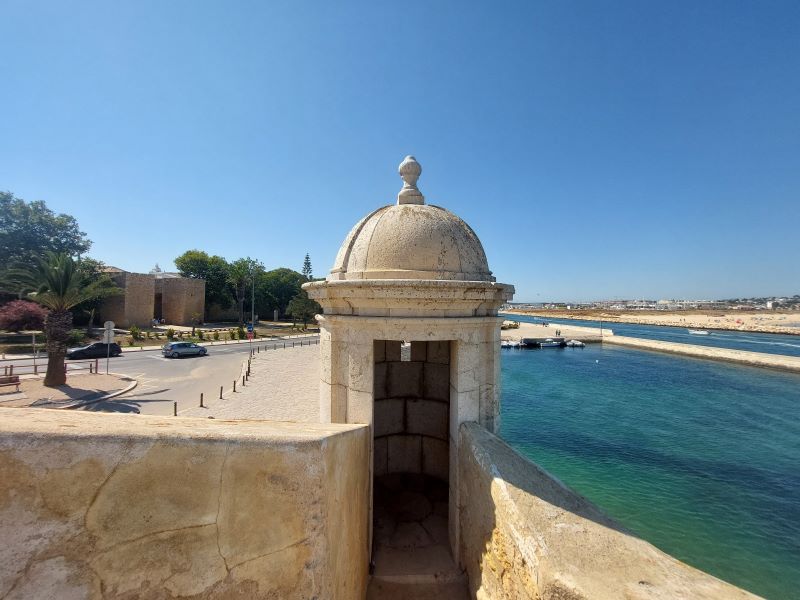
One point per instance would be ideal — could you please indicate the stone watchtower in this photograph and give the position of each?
(410, 341)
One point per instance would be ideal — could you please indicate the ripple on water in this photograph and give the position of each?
(698, 457)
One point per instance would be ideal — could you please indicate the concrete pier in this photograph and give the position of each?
(754, 359)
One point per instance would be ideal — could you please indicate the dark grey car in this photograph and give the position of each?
(178, 349)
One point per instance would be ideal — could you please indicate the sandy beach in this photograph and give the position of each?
(755, 321)
(533, 330)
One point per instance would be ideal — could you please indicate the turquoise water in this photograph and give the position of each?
(700, 458)
(771, 343)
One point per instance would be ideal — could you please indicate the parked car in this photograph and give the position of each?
(95, 350)
(178, 349)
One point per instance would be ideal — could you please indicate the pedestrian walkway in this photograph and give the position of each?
(283, 386)
(78, 390)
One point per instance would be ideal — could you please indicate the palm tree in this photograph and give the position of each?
(55, 282)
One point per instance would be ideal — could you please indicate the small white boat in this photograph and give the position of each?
(550, 343)
(505, 344)
(698, 332)
(575, 344)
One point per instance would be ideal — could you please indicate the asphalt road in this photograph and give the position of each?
(163, 381)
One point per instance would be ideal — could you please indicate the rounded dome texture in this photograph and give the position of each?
(411, 241)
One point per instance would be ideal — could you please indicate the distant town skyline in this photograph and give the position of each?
(599, 150)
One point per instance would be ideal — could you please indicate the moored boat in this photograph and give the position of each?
(698, 332)
(575, 344)
(550, 343)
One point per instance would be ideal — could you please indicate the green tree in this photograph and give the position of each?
(214, 269)
(92, 272)
(241, 276)
(29, 229)
(283, 285)
(55, 282)
(302, 308)
(307, 273)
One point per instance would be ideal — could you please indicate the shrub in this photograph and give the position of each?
(149, 335)
(170, 334)
(215, 335)
(240, 332)
(21, 314)
(136, 333)
(200, 334)
(76, 337)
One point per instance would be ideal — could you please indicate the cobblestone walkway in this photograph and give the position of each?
(283, 386)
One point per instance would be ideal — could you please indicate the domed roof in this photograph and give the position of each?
(411, 240)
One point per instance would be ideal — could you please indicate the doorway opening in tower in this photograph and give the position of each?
(411, 455)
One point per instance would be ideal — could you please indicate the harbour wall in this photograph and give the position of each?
(526, 536)
(131, 506)
(745, 357)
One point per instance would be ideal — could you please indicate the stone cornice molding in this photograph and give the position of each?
(410, 297)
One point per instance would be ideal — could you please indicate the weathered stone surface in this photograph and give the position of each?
(427, 417)
(411, 273)
(389, 417)
(435, 458)
(419, 351)
(405, 454)
(436, 382)
(439, 352)
(392, 351)
(379, 351)
(524, 535)
(101, 506)
(381, 456)
(405, 380)
(412, 242)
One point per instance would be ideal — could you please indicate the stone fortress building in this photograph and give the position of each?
(403, 490)
(157, 295)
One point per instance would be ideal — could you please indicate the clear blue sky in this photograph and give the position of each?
(599, 149)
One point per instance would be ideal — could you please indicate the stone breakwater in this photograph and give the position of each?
(754, 359)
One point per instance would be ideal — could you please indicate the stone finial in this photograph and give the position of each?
(410, 171)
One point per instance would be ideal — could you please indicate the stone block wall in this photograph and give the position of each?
(139, 299)
(135, 305)
(181, 298)
(129, 506)
(412, 406)
(526, 536)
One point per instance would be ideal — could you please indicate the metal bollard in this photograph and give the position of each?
(234, 385)
(174, 409)
(201, 400)
(90, 369)
(242, 380)
(220, 392)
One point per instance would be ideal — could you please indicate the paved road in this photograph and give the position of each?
(163, 381)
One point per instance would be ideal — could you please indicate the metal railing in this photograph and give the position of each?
(30, 366)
